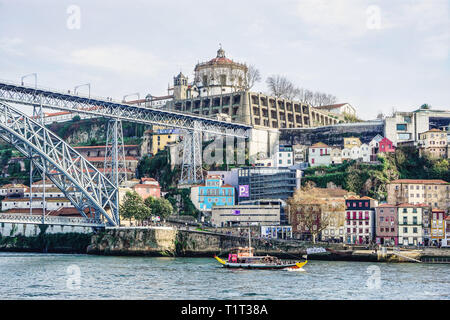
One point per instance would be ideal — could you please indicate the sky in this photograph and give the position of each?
(379, 56)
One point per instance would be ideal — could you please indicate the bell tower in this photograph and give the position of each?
(180, 86)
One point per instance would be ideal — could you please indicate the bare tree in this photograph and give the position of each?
(281, 87)
(311, 210)
(253, 76)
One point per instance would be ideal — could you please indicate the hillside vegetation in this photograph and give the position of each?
(370, 179)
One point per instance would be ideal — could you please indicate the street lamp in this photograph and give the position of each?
(82, 85)
(131, 94)
(29, 75)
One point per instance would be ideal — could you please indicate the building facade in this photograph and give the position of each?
(386, 224)
(410, 224)
(406, 126)
(437, 226)
(434, 144)
(435, 193)
(220, 86)
(319, 154)
(212, 193)
(245, 215)
(360, 220)
(257, 183)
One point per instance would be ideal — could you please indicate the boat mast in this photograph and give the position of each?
(249, 240)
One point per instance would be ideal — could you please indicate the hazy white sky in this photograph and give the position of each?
(375, 54)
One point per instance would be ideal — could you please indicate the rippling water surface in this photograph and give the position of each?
(54, 276)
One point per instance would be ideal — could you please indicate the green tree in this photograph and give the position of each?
(133, 207)
(159, 206)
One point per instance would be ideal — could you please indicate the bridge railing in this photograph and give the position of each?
(35, 219)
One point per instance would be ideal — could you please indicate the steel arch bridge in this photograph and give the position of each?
(193, 125)
(82, 183)
(52, 99)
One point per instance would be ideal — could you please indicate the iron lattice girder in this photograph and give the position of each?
(82, 183)
(110, 109)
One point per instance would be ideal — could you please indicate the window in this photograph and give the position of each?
(401, 127)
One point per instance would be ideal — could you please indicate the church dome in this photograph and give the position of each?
(220, 59)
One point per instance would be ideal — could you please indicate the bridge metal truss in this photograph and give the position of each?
(82, 183)
(51, 99)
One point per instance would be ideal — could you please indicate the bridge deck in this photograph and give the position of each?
(54, 99)
(63, 221)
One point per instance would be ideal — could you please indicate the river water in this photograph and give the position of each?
(63, 276)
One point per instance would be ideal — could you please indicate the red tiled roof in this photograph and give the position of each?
(94, 159)
(410, 205)
(146, 186)
(57, 113)
(103, 147)
(420, 181)
(386, 205)
(319, 145)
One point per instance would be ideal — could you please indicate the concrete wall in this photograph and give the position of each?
(184, 243)
(332, 135)
(31, 230)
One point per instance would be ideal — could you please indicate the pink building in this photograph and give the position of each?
(148, 187)
(386, 145)
(386, 224)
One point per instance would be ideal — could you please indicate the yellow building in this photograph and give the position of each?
(433, 143)
(437, 226)
(158, 138)
(351, 142)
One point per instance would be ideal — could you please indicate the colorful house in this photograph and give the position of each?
(212, 193)
(360, 220)
(437, 225)
(410, 223)
(386, 145)
(446, 240)
(319, 155)
(148, 187)
(386, 224)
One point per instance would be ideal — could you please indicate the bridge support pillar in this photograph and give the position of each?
(114, 164)
(191, 170)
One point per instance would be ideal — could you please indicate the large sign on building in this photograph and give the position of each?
(244, 191)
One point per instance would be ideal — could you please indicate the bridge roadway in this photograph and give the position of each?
(101, 107)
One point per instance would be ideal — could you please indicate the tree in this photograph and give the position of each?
(253, 76)
(159, 206)
(281, 87)
(312, 211)
(133, 206)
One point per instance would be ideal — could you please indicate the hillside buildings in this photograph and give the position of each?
(435, 193)
(404, 127)
(220, 87)
(341, 109)
(434, 143)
